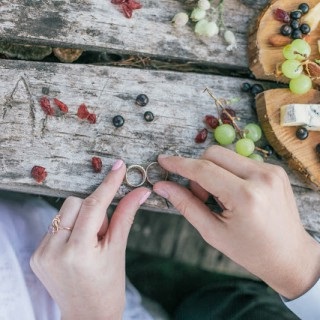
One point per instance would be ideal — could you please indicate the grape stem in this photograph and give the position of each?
(218, 104)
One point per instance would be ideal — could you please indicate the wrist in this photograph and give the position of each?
(305, 272)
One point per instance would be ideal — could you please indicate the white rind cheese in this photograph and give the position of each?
(301, 115)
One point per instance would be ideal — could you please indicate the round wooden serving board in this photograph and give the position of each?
(300, 154)
(263, 57)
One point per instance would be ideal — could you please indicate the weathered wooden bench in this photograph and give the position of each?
(122, 58)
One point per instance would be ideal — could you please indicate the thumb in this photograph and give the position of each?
(123, 216)
(191, 207)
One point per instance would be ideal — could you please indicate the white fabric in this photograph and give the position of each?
(307, 307)
(23, 223)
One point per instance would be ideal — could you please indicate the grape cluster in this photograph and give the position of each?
(226, 131)
(293, 28)
(296, 54)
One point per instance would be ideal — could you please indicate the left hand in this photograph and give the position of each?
(84, 268)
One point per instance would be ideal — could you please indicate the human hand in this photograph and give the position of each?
(84, 269)
(259, 228)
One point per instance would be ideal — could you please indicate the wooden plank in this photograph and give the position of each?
(65, 145)
(99, 25)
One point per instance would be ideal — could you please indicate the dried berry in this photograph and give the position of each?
(201, 136)
(281, 15)
(211, 121)
(92, 118)
(62, 106)
(83, 112)
(142, 100)
(38, 173)
(46, 106)
(127, 6)
(134, 5)
(118, 121)
(148, 116)
(96, 164)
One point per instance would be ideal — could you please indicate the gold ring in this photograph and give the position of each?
(164, 174)
(142, 172)
(55, 225)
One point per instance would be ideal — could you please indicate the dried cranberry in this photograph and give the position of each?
(133, 4)
(211, 121)
(38, 173)
(127, 10)
(62, 106)
(92, 118)
(46, 106)
(83, 112)
(281, 15)
(96, 164)
(227, 121)
(201, 136)
(228, 111)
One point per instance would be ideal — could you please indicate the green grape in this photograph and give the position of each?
(244, 147)
(225, 134)
(253, 132)
(300, 85)
(297, 50)
(291, 69)
(257, 157)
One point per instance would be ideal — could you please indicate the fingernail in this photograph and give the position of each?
(117, 165)
(162, 156)
(162, 193)
(144, 197)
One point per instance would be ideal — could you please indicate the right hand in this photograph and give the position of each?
(259, 228)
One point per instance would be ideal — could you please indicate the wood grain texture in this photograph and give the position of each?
(264, 57)
(300, 154)
(99, 25)
(65, 145)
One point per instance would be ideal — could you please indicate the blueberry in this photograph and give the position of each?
(295, 24)
(142, 100)
(305, 28)
(256, 88)
(297, 14)
(302, 133)
(304, 8)
(286, 30)
(148, 116)
(118, 121)
(245, 87)
(296, 34)
(269, 150)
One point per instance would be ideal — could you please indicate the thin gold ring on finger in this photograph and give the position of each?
(163, 175)
(141, 171)
(56, 225)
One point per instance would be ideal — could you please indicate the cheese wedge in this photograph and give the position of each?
(301, 115)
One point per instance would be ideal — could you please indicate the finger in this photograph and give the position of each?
(68, 215)
(229, 160)
(103, 228)
(198, 191)
(191, 207)
(221, 183)
(123, 217)
(94, 208)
